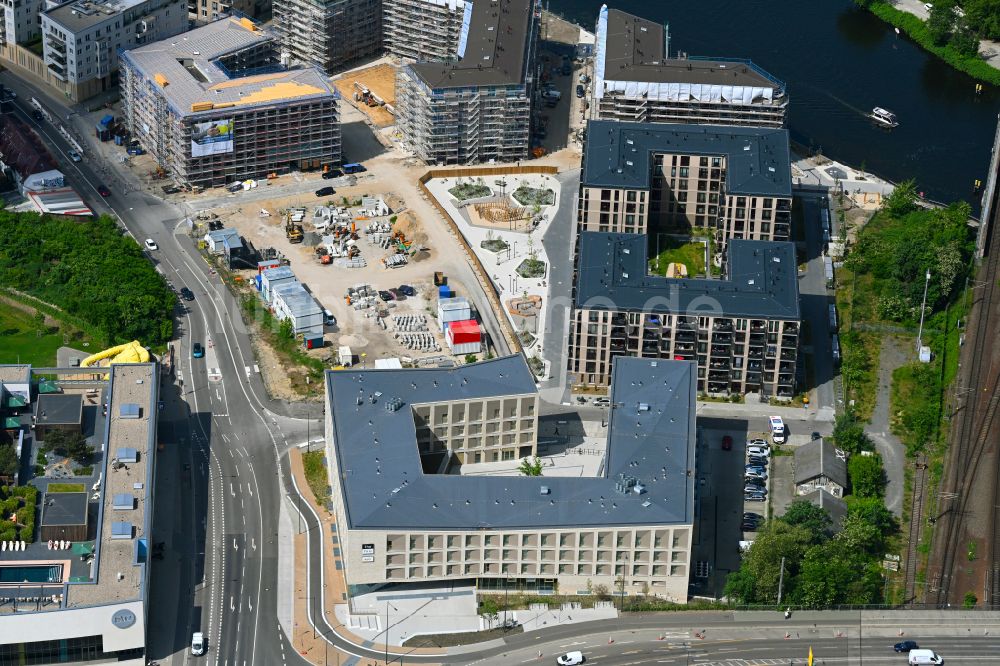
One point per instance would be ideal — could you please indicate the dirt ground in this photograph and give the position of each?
(381, 80)
(329, 283)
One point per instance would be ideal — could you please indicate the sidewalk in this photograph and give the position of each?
(306, 639)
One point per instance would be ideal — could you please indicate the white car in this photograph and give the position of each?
(151, 245)
(570, 659)
(756, 450)
(197, 644)
(75, 156)
(928, 6)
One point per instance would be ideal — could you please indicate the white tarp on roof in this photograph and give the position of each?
(686, 92)
(58, 202)
(46, 180)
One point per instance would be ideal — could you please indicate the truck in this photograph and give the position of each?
(777, 426)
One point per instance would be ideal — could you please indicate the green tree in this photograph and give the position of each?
(985, 16)
(8, 460)
(849, 434)
(756, 581)
(68, 443)
(286, 329)
(940, 22)
(902, 200)
(470, 358)
(867, 475)
(858, 535)
(531, 466)
(964, 39)
(873, 511)
(814, 518)
(489, 609)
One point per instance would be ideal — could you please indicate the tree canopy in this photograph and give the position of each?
(91, 270)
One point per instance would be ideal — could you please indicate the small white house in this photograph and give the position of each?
(374, 207)
(292, 301)
(223, 240)
(453, 309)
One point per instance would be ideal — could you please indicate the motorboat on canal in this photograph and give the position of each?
(884, 117)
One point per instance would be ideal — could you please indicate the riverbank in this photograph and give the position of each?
(916, 29)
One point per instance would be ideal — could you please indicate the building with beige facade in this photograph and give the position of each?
(636, 80)
(390, 433)
(741, 331)
(645, 178)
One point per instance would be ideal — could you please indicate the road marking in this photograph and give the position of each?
(236, 546)
(232, 491)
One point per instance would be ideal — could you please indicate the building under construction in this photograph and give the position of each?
(329, 33)
(636, 80)
(424, 29)
(479, 108)
(218, 106)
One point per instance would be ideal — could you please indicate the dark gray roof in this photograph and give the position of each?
(59, 409)
(651, 438)
(496, 50)
(836, 507)
(64, 509)
(618, 155)
(819, 458)
(636, 51)
(761, 280)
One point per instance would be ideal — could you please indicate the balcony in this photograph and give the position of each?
(722, 325)
(718, 387)
(791, 327)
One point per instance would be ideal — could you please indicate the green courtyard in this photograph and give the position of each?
(665, 250)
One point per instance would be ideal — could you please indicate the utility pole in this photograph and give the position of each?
(781, 580)
(923, 306)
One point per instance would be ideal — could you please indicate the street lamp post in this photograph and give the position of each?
(923, 306)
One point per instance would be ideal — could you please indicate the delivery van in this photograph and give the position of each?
(924, 658)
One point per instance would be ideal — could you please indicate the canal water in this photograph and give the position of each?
(838, 62)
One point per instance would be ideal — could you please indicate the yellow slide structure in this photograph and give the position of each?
(130, 352)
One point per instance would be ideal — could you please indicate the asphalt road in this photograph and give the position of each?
(218, 488)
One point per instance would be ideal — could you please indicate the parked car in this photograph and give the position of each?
(754, 488)
(727, 443)
(385, 295)
(397, 294)
(757, 442)
(150, 244)
(235, 187)
(753, 474)
(325, 191)
(754, 497)
(570, 658)
(816, 436)
(75, 156)
(602, 402)
(757, 461)
(759, 451)
(187, 294)
(755, 468)
(332, 173)
(37, 115)
(103, 190)
(905, 646)
(580, 92)
(408, 290)
(197, 351)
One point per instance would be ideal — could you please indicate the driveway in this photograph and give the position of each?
(893, 354)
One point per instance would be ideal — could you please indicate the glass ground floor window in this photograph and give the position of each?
(534, 585)
(61, 651)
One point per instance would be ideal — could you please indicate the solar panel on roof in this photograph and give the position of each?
(124, 502)
(121, 530)
(127, 455)
(129, 411)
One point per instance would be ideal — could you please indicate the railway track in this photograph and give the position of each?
(970, 435)
(917, 503)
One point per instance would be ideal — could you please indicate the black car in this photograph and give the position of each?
(408, 290)
(816, 436)
(332, 173)
(385, 295)
(187, 294)
(325, 191)
(580, 92)
(905, 646)
(37, 115)
(749, 527)
(750, 515)
(757, 461)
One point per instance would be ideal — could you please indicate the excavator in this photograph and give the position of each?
(293, 230)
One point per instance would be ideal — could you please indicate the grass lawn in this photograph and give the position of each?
(65, 488)
(315, 470)
(24, 340)
(677, 251)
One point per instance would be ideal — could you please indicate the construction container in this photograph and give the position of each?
(271, 278)
(314, 342)
(345, 356)
(440, 279)
(464, 337)
(444, 291)
(453, 309)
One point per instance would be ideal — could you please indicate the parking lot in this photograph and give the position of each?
(722, 501)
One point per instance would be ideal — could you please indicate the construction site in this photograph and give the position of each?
(373, 91)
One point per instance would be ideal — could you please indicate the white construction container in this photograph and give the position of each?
(345, 356)
(453, 309)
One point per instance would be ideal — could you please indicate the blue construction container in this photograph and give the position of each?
(444, 291)
(107, 120)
